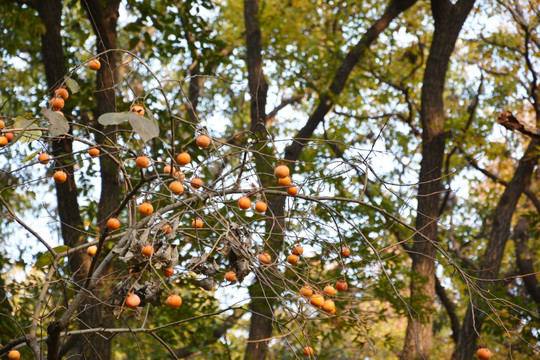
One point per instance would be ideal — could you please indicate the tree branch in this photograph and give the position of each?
(284, 103)
(341, 76)
(510, 122)
(525, 259)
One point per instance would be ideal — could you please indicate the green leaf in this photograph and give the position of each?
(72, 85)
(26, 134)
(59, 124)
(113, 118)
(146, 128)
(31, 156)
(47, 258)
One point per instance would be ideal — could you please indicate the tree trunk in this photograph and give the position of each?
(525, 259)
(262, 309)
(104, 19)
(491, 262)
(449, 20)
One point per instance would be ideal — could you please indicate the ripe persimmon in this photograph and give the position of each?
(203, 141)
(176, 188)
(306, 291)
(328, 305)
(166, 229)
(57, 103)
(292, 259)
(93, 152)
(137, 109)
(345, 252)
(484, 353)
(330, 290)
(142, 162)
(286, 181)
(147, 250)
(260, 206)
(3, 141)
(113, 224)
(292, 190)
(9, 136)
(91, 250)
(281, 171)
(14, 355)
(197, 183)
(61, 92)
(44, 158)
(197, 223)
(316, 300)
(307, 351)
(298, 250)
(94, 64)
(174, 301)
(133, 300)
(183, 158)
(2, 124)
(342, 285)
(244, 202)
(177, 173)
(265, 258)
(230, 276)
(168, 272)
(146, 209)
(60, 177)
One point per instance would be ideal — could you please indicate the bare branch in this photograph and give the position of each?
(510, 122)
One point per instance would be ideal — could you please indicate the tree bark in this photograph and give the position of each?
(449, 20)
(491, 262)
(525, 259)
(103, 17)
(262, 308)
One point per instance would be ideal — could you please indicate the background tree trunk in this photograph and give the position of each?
(491, 262)
(449, 20)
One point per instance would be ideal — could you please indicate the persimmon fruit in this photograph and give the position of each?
(168, 272)
(345, 252)
(203, 141)
(292, 259)
(113, 224)
(292, 190)
(133, 300)
(147, 250)
(483, 353)
(328, 305)
(286, 181)
(244, 203)
(306, 291)
(146, 209)
(330, 290)
(197, 223)
(260, 206)
(60, 177)
(14, 355)
(230, 276)
(316, 300)
(281, 171)
(3, 141)
(44, 158)
(94, 64)
(307, 351)
(93, 152)
(92, 250)
(142, 162)
(197, 183)
(342, 285)
(265, 258)
(176, 188)
(61, 92)
(183, 158)
(137, 109)
(174, 301)
(166, 229)
(298, 250)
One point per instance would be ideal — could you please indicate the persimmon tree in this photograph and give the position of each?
(269, 180)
